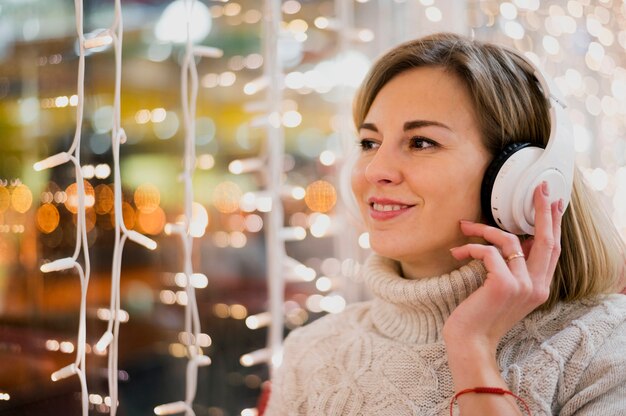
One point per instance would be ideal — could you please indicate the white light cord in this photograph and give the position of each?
(346, 238)
(272, 168)
(189, 95)
(118, 136)
(73, 155)
(275, 149)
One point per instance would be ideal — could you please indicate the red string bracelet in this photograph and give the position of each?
(490, 390)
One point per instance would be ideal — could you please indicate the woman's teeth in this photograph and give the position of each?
(381, 207)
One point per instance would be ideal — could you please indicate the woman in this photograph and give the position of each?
(456, 305)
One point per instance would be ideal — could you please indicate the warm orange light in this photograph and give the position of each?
(71, 202)
(90, 219)
(104, 199)
(47, 218)
(226, 197)
(5, 198)
(128, 213)
(147, 198)
(320, 196)
(236, 222)
(21, 198)
(238, 311)
(151, 222)
(221, 310)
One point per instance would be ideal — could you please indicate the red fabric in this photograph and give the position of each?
(264, 397)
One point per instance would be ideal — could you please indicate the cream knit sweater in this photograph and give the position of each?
(385, 357)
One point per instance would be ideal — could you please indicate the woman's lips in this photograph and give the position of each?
(387, 210)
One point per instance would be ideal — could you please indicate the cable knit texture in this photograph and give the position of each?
(386, 356)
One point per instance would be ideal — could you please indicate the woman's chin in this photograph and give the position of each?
(392, 251)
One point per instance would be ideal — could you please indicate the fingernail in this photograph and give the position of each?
(465, 221)
(544, 188)
(561, 205)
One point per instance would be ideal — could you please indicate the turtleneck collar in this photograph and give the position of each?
(414, 311)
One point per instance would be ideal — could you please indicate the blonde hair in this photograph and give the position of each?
(511, 108)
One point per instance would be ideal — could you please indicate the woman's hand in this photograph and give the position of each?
(516, 284)
(514, 287)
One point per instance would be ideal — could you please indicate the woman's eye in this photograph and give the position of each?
(367, 144)
(421, 143)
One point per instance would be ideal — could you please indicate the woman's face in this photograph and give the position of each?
(420, 170)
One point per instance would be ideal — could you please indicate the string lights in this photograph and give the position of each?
(116, 315)
(191, 227)
(78, 367)
(319, 196)
(581, 44)
(274, 149)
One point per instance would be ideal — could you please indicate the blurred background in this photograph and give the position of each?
(325, 48)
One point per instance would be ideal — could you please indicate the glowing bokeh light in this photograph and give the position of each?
(104, 199)
(172, 26)
(333, 303)
(21, 198)
(47, 218)
(221, 310)
(328, 158)
(147, 198)
(199, 220)
(433, 14)
(291, 7)
(128, 214)
(364, 240)
(142, 116)
(238, 311)
(253, 223)
(71, 201)
(319, 224)
(206, 162)
(238, 239)
(151, 222)
(102, 171)
(226, 196)
(321, 196)
(291, 119)
(323, 284)
(90, 219)
(252, 16)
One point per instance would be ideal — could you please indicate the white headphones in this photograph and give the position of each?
(512, 176)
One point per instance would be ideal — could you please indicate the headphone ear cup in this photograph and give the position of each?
(495, 172)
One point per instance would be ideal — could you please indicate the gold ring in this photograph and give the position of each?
(514, 256)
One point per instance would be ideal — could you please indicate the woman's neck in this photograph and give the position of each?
(433, 265)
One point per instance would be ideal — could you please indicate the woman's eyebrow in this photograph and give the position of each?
(415, 124)
(368, 126)
(409, 125)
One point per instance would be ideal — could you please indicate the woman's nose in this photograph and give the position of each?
(384, 167)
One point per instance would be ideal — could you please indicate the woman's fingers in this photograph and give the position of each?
(557, 217)
(488, 254)
(542, 251)
(508, 244)
(505, 257)
(501, 282)
(506, 241)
